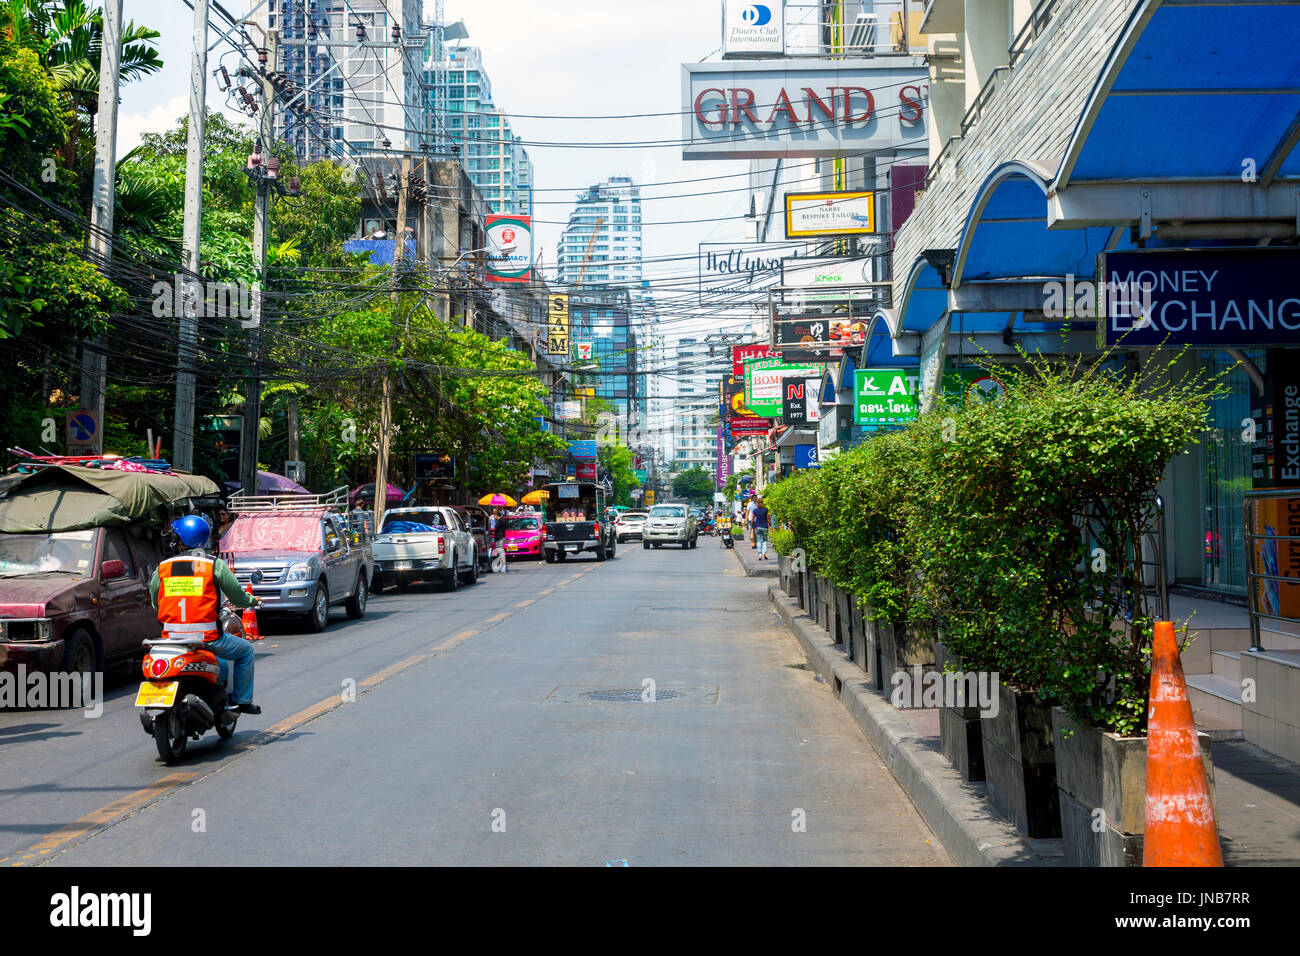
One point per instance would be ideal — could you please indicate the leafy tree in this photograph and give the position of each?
(695, 486)
(617, 463)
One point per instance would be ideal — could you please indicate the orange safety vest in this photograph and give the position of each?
(188, 602)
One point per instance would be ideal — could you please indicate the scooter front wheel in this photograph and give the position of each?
(169, 735)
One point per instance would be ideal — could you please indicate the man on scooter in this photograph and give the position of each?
(186, 590)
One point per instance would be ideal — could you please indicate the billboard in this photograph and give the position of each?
(763, 383)
(753, 29)
(435, 466)
(830, 279)
(557, 325)
(741, 421)
(805, 456)
(583, 450)
(513, 236)
(741, 352)
(801, 400)
(740, 272)
(830, 214)
(774, 109)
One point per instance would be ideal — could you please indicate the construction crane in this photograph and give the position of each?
(590, 244)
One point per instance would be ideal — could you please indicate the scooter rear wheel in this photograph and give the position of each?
(169, 735)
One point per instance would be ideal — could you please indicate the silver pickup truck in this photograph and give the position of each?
(425, 542)
(311, 556)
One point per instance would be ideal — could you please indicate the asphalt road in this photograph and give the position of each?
(487, 728)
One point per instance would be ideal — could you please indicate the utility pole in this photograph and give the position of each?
(94, 365)
(386, 406)
(261, 227)
(187, 309)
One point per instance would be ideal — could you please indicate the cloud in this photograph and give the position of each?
(132, 126)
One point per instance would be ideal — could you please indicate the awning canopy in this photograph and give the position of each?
(73, 498)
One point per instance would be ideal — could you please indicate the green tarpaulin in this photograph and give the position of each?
(71, 498)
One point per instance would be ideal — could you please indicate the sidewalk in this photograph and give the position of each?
(755, 568)
(1258, 795)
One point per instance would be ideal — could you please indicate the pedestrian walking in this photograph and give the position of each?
(749, 521)
(499, 562)
(761, 527)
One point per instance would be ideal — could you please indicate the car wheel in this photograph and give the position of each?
(356, 606)
(318, 617)
(550, 557)
(645, 545)
(471, 576)
(452, 578)
(79, 654)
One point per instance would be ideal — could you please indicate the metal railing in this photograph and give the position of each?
(1262, 550)
(1146, 556)
(1033, 28)
(945, 154)
(982, 98)
(336, 500)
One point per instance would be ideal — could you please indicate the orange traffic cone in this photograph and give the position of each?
(249, 619)
(1180, 829)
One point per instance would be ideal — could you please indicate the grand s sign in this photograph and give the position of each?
(734, 110)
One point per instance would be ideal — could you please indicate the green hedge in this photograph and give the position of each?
(968, 517)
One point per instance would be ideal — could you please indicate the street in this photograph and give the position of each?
(473, 739)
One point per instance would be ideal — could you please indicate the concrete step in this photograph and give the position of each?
(1227, 664)
(1277, 640)
(1215, 696)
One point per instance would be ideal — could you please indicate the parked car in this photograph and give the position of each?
(670, 524)
(574, 524)
(311, 555)
(417, 544)
(77, 549)
(525, 535)
(630, 525)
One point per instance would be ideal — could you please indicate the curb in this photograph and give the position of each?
(957, 811)
(756, 570)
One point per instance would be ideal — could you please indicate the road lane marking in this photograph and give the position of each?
(104, 815)
(498, 617)
(451, 642)
(391, 669)
(546, 592)
(526, 603)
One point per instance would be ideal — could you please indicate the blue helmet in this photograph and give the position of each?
(193, 530)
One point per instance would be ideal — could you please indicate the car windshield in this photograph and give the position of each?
(521, 524)
(667, 511)
(634, 516)
(64, 552)
(413, 522)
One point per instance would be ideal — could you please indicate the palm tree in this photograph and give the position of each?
(68, 38)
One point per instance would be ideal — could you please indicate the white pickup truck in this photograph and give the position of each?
(426, 542)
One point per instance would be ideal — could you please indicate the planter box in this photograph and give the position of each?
(1099, 771)
(960, 734)
(902, 646)
(831, 612)
(844, 618)
(1020, 763)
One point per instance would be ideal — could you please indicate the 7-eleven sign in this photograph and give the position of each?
(584, 351)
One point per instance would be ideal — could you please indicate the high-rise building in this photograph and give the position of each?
(492, 153)
(602, 318)
(702, 363)
(611, 211)
(349, 99)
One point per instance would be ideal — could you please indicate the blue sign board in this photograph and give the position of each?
(805, 456)
(583, 450)
(1216, 298)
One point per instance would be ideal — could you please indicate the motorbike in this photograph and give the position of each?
(727, 541)
(187, 689)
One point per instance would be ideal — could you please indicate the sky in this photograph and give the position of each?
(544, 57)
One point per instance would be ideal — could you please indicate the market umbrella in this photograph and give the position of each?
(498, 501)
(394, 493)
(269, 483)
(535, 497)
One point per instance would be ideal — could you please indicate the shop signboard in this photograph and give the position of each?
(885, 396)
(829, 214)
(513, 237)
(737, 273)
(435, 466)
(801, 400)
(741, 422)
(557, 325)
(805, 456)
(786, 108)
(583, 450)
(741, 352)
(1205, 298)
(763, 379)
(753, 29)
(815, 279)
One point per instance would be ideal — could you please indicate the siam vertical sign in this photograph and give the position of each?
(557, 326)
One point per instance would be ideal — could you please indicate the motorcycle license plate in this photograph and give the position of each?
(156, 695)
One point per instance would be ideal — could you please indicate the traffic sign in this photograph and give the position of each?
(83, 435)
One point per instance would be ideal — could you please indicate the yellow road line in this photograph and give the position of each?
(546, 592)
(453, 641)
(526, 603)
(103, 816)
(498, 617)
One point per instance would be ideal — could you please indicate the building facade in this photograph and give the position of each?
(701, 363)
(608, 220)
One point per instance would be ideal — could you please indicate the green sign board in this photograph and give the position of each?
(640, 475)
(763, 376)
(891, 396)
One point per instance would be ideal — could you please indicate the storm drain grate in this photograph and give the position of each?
(630, 695)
